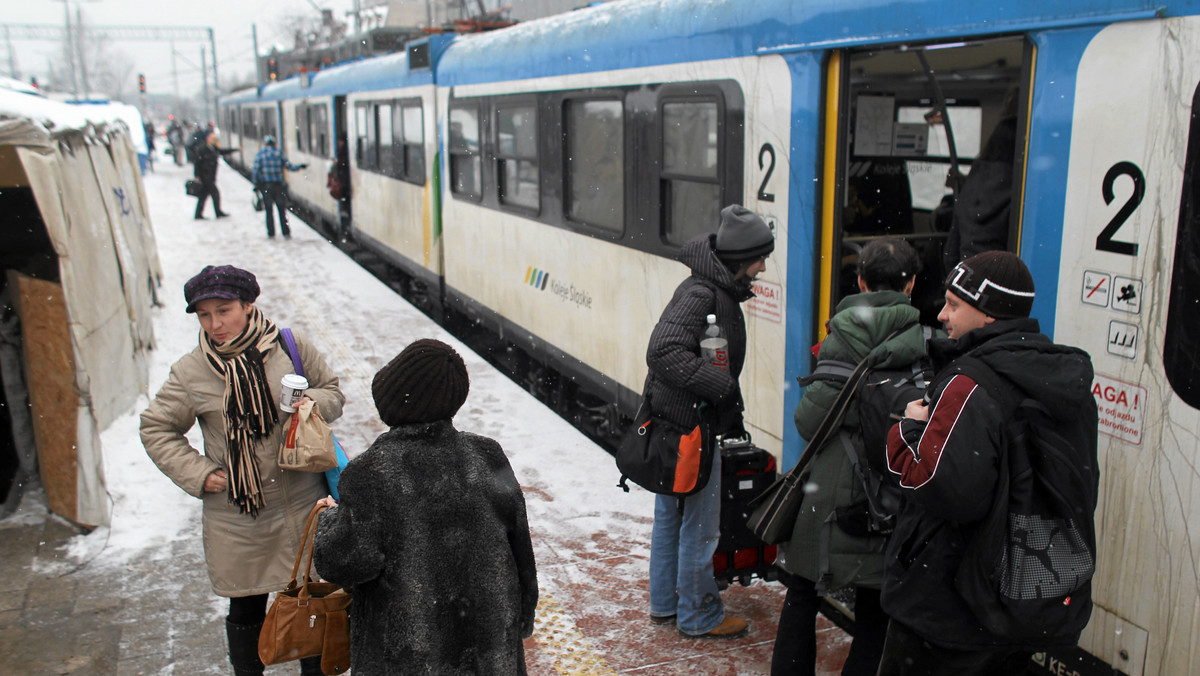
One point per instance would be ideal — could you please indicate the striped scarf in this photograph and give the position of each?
(249, 410)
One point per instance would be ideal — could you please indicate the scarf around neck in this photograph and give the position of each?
(249, 411)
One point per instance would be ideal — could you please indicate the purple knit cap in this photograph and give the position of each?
(220, 281)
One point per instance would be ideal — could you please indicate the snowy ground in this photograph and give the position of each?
(591, 540)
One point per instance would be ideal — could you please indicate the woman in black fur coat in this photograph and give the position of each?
(430, 533)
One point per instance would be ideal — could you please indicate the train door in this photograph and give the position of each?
(928, 148)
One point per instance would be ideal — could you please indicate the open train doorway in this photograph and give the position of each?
(929, 148)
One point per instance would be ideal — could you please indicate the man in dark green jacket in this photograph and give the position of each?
(879, 323)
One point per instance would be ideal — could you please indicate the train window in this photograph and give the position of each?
(301, 126)
(517, 171)
(595, 160)
(360, 134)
(386, 140)
(413, 139)
(690, 183)
(371, 152)
(318, 134)
(1181, 341)
(466, 164)
(269, 126)
(248, 123)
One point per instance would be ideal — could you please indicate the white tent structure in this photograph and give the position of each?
(79, 271)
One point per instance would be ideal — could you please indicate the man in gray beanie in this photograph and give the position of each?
(681, 384)
(948, 456)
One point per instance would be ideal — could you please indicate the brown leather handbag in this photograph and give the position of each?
(308, 618)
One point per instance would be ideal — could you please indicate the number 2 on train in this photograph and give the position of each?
(1105, 241)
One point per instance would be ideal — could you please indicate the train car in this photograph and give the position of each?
(565, 161)
(581, 150)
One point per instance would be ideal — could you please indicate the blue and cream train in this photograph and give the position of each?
(539, 180)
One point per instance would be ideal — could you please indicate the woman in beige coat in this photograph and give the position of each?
(254, 511)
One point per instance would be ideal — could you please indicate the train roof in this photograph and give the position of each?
(389, 71)
(637, 33)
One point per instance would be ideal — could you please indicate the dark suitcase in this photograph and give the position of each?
(746, 471)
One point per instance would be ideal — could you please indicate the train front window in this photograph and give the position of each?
(690, 182)
(517, 156)
(595, 162)
(930, 148)
(466, 168)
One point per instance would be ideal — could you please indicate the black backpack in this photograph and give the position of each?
(1026, 572)
(881, 396)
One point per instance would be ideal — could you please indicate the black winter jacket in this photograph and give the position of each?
(949, 468)
(679, 377)
(207, 158)
(432, 536)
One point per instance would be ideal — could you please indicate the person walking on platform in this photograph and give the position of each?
(686, 532)
(949, 455)
(268, 180)
(430, 532)
(880, 323)
(254, 511)
(208, 156)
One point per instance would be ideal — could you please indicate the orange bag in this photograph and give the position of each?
(309, 618)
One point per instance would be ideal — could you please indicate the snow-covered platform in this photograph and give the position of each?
(135, 598)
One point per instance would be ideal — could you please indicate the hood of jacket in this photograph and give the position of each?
(700, 255)
(1057, 376)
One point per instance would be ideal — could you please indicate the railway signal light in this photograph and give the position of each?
(272, 69)
(141, 83)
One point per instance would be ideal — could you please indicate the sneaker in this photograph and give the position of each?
(199, 218)
(222, 214)
(731, 627)
(662, 619)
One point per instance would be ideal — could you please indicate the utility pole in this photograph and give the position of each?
(258, 78)
(70, 47)
(204, 74)
(174, 71)
(80, 36)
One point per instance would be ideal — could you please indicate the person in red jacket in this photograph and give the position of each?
(947, 455)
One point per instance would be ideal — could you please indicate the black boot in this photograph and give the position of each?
(243, 648)
(311, 666)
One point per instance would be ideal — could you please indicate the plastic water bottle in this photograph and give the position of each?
(714, 347)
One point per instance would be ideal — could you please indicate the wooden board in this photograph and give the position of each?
(50, 372)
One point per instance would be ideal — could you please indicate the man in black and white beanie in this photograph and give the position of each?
(948, 455)
(996, 283)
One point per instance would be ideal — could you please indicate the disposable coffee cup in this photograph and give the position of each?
(293, 390)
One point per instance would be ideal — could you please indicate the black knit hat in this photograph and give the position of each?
(424, 383)
(743, 235)
(220, 281)
(997, 283)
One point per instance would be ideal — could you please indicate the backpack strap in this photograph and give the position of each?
(828, 370)
(289, 344)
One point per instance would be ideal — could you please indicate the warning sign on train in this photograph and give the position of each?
(767, 302)
(1121, 406)
(1096, 287)
(1127, 294)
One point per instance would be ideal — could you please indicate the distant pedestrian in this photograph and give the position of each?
(681, 381)
(150, 134)
(254, 511)
(208, 156)
(175, 140)
(431, 534)
(269, 164)
(948, 454)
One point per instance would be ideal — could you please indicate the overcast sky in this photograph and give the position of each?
(231, 21)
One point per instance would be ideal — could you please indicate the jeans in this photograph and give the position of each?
(208, 190)
(275, 196)
(681, 554)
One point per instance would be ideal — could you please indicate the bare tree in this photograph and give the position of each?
(99, 68)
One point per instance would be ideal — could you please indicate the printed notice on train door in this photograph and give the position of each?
(767, 302)
(1121, 407)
